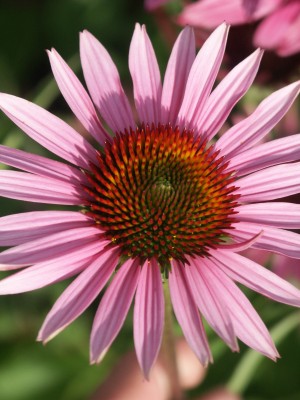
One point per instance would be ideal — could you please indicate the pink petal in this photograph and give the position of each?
(23, 186)
(46, 248)
(249, 131)
(273, 239)
(273, 29)
(76, 96)
(246, 322)
(48, 130)
(148, 317)
(277, 151)
(48, 272)
(208, 302)
(42, 166)
(279, 215)
(202, 77)
(103, 81)
(113, 309)
(227, 94)
(256, 277)
(211, 13)
(145, 75)
(20, 228)
(187, 313)
(179, 65)
(79, 294)
(270, 183)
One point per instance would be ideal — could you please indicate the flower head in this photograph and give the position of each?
(156, 196)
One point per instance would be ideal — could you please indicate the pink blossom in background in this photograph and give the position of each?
(152, 4)
(279, 29)
(286, 268)
(157, 196)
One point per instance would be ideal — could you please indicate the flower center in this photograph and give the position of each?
(158, 192)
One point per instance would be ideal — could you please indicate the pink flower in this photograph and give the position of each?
(279, 29)
(159, 196)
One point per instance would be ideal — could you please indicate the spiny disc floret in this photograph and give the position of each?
(159, 192)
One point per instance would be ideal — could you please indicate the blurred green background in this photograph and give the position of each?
(61, 370)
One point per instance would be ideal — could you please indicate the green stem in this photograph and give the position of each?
(247, 367)
(168, 347)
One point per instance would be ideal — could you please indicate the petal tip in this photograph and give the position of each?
(84, 34)
(146, 373)
(96, 359)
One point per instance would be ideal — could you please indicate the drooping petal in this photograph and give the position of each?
(256, 277)
(279, 215)
(113, 309)
(211, 13)
(48, 130)
(187, 313)
(49, 272)
(39, 189)
(20, 228)
(273, 29)
(202, 77)
(270, 183)
(76, 96)
(273, 239)
(46, 248)
(246, 322)
(178, 68)
(145, 75)
(279, 151)
(148, 317)
(103, 81)
(242, 245)
(79, 294)
(226, 95)
(208, 302)
(42, 166)
(249, 131)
